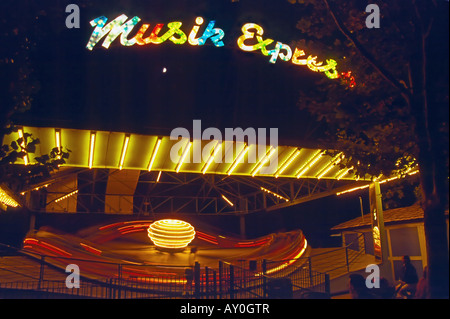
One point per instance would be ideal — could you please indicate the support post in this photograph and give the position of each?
(41, 272)
(264, 271)
(242, 225)
(215, 284)
(220, 277)
(119, 276)
(197, 282)
(346, 258)
(327, 284)
(231, 282)
(207, 282)
(376, 212)
(32, 225)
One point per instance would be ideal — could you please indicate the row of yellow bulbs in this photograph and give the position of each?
(238, 159)
(313, 160)
(7, 200)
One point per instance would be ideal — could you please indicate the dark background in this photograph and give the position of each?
(124, 89)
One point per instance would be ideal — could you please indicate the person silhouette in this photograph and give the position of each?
(386, 290)
(408, 279)
(358, 288)
(422, 286)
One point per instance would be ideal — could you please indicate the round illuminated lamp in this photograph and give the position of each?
(171, 234)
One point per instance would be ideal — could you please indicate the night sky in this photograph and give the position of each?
(124, 88)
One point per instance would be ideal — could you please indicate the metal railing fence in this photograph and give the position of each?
(246, 279)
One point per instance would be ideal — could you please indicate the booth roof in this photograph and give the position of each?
(408, 214)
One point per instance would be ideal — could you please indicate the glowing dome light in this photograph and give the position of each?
(171, 233)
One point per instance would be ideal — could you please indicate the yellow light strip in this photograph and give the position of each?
(227, 200)
(310, 163)
(288, 162)
(67, 195)
(35, 189)
(39, 187)
(7, 199)
(124, 151)
(183, 157)
(23, 145)
(238, 159)
(345, 172)
(380, 182)
(159, 176)
(387, 180)
(91, 149)
(336, 160)
(264, 161)
(414, 173)
(58, 139)
(58, 142)
(398, 177)
(212, 156)
(168, 235)
(353, 189)
(154, 153)
(274, 194)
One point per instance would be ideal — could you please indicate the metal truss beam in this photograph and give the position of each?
(206, 194)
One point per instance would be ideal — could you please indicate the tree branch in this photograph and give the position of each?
(366, 54)
(422, 86)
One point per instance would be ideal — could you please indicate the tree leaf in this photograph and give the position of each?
(14, 145)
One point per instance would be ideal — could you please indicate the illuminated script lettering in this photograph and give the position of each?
(251, 40)
(253, 33)
(119, 26)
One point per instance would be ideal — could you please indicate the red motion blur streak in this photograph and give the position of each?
(283, 251)
(91, 249)
(133, 228)
(115, 225)
(47, 246)
(257, 243)
(230, 242)
(206, 237)
(110, 232)
(296, 254)
(110, 226)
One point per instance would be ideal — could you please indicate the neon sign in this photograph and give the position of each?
(250, 40)
(283, 51)
(119, 27)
